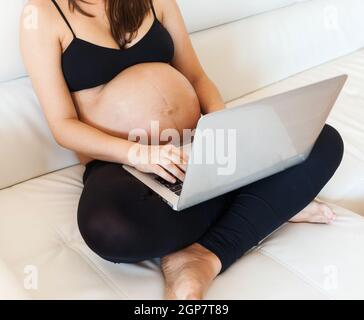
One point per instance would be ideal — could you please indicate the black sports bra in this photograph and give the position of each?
(86, 65)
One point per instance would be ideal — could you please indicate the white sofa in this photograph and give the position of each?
(251, 49)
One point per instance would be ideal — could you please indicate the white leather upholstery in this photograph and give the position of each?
(26, 140)
(298, 261)
(11, 66)
(252, 53)
(205, 14)
(38, 226)
(10, 288)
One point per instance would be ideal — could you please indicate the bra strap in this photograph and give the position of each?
(64, 17)
(152, 6)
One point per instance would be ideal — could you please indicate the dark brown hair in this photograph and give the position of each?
(125, 17)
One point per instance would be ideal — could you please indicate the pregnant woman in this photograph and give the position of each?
(103, 68)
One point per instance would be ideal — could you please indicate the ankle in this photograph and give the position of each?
(212, 261)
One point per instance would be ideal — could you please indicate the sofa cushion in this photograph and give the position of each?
(249, 54)
(28, 148)
(11, 65)
(10, 286)
(217, 12)
(298, 261)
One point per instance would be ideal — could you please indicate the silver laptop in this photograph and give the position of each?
(237, 146)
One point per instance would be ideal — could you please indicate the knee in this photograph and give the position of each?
(334, 145)
(111, 235)
(119, 236)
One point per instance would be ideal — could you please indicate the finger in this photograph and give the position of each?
(178, 161)
(159, 171)
(166, 150)
(173, 169)
(183, 155)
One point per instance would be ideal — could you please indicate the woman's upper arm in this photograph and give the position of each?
(185, 59)
(42, 52)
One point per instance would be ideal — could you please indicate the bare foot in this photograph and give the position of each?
(315, 212)
(189, 272)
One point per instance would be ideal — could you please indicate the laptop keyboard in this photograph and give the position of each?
(174, 187)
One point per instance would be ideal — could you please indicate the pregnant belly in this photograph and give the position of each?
(149, 98)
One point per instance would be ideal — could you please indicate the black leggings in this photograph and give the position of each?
(123, 221)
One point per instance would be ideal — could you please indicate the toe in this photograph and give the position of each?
(328, 214)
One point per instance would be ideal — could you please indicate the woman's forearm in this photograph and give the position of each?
(91, 142)
(208, 94)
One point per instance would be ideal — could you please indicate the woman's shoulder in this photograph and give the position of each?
(165, 7)
(43, 7)
(41, 12)
(40, 16)
(162, 4)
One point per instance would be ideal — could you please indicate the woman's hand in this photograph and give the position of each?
(166, 161)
